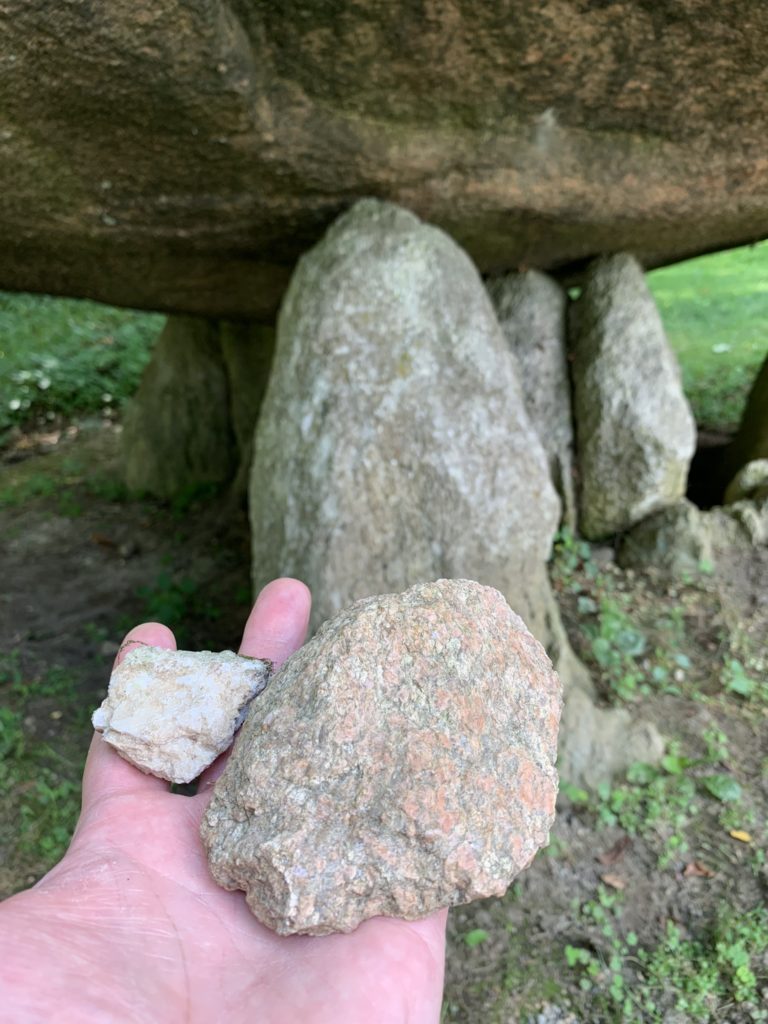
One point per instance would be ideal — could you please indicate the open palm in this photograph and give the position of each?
(131, 927)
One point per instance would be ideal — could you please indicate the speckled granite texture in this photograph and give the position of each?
(401, 761)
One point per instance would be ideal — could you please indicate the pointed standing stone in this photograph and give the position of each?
(394, 445)
(634, 429)
(531, 308)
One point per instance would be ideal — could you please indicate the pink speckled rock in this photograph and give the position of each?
(403, 760)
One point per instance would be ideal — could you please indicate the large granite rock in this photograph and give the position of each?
(402, 761)
(682, 541)
(531, 308)
(635, 432)
(181, 154)
(393, 444)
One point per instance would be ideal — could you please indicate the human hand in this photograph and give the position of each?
(131, 927)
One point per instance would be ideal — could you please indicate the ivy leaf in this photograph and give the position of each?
(723, 787)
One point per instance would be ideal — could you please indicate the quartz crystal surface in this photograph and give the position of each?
(171, 713)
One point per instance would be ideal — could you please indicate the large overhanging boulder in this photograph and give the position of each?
(181, 154)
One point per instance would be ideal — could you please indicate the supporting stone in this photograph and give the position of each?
(178, 433)
(531, 308)
(751, 441)
(247, 350)
(394, 444)
(676, 541)
(635, 432)
(191, 422)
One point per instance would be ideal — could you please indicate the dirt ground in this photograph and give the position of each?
(627, 869)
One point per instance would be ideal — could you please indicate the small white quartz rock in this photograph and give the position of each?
(171, 713)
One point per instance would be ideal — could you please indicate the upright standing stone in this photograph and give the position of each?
(531, 308)
(178, 431)
(246, 349)
(751, 441)
(634, 429)
(192, 419)
(394, 446)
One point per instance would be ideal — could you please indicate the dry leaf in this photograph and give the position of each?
(616, 852)
(103, 541)
(698, 870)
(741, 835)
(614, 881)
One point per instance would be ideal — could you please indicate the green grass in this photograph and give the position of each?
(703, 978)
(68, 357)
(39, 779)
(715, 311)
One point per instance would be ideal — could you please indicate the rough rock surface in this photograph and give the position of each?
(600, 743)
(178, 431)
(171, 713)
(402, 761)
(751, 441)
(191, 421)
(741, 523)
(394, 445)
(635, 433)
(180, 154)
(677, 541)
(751, 481)
(531, 308)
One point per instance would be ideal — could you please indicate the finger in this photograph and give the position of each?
(275, 628)
(106, 773)
(278, 621)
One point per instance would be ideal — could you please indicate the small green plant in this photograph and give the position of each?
(735, 679)
(11, 734)
(39, 785)
(652, 800)
(20, 492)
(662, 801)
(571, 554)
(475, 937)
(704, 975)
(617, 645)
(699, 977)
(602, 967)
(48, 814)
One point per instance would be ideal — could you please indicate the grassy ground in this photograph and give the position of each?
(64, 357)
(715, 311)
(81, 562)
(649, 906)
